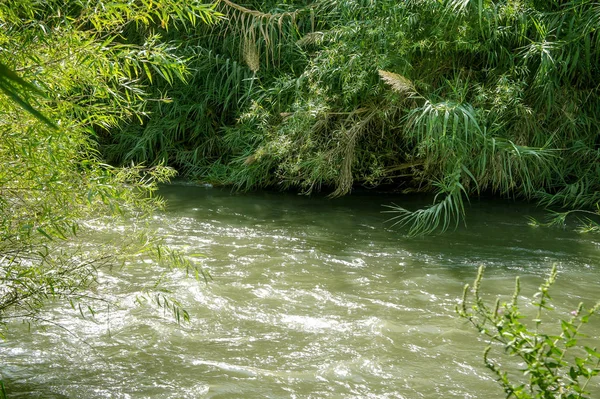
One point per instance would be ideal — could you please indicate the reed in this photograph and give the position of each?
(479, 97)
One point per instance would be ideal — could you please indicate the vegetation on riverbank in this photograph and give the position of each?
(455, 98)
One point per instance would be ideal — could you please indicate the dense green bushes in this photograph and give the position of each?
(455, 98)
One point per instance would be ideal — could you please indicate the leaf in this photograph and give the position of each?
(570, 343)
(7, 80)
(592, 352)
(43, 232)
(573, 373)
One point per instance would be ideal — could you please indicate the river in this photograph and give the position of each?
(310, 298)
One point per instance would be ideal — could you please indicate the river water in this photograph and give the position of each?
(310, 298)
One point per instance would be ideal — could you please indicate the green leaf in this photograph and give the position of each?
(592, 352)
(573, 373)
(570, 343)
(8, 79)
(43, 232)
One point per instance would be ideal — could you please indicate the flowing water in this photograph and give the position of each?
(310, 298)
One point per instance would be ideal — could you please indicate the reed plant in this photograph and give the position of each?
(456, 98)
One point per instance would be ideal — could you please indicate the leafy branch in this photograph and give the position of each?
(556, 365)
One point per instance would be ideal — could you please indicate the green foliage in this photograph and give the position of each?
(556, 364)
(14, 86)
(190, 131)
(68, 74)
(456, 98)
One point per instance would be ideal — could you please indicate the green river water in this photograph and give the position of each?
(310, 298)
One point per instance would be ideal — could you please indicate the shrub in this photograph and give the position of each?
(555, 364)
